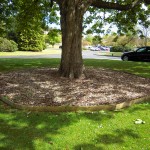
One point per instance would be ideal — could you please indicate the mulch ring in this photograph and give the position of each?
(44, 87)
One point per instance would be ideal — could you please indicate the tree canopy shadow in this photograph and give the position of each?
(103, 140)
(117, 137)
(21, 129)
(87, 147)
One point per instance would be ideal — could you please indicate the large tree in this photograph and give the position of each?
(123, 13)
(72, 12)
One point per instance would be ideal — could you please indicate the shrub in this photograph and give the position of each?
(31, 40)
(7, 45)
(120, 49)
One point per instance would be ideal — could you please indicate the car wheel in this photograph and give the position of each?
(125, 58)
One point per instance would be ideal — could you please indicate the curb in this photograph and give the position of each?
(73, 108)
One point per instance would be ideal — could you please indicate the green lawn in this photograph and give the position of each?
(138, 68)
(47, 51)
(103, 130)
(116, 54)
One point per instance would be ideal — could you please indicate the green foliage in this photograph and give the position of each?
(29, 18)
(89, 38)
(8, 12)
(7, 45)
(31, 40)
(108, 40)
(96, 40)
(95, 20)
(18, 15)
(120, 49)
(121, 40)
(53, 37)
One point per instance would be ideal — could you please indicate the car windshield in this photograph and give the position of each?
(141, 50)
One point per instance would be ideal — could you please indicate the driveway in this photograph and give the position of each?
(87, 54)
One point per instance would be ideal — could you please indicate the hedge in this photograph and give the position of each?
(7, 45)
(120, 49)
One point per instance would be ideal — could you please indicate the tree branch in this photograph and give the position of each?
(116, 6)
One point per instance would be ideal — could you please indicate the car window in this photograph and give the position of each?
(140, 50)
(148, 49)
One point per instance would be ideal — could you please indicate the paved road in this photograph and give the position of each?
(86, 54)
(94, 55)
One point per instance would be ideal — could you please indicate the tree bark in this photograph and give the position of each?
(71, 65)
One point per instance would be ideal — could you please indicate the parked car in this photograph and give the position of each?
(100, 48)
(104, 49)
(94, 48)
(141, 54)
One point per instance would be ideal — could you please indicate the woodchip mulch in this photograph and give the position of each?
(44, 87)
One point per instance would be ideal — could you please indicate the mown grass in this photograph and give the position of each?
(48, 51)
(138, 68)
(15, 64)
(114, 54)
(103, 130)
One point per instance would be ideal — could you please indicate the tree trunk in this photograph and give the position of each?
(71, 65)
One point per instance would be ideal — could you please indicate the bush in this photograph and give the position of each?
(7, 45)
(120, 49)
(31, 41)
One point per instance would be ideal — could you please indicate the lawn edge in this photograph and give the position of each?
(74, 108)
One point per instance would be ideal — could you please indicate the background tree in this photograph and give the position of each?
(89, 38)
(108, 40)
(8, 12)
(144, 34)
(97, 40)
(53, 37)
(29, 26)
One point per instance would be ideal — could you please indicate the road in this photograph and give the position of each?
(87, 54)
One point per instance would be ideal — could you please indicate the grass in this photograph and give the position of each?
(138, 68)
(48, 51)
(114, 54)
(15, 64)
(103, 130)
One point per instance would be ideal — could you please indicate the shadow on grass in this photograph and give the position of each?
(88, 147)
(15, 64)
(137, 68)
(34, 130)
(26, 130)
(118, 137)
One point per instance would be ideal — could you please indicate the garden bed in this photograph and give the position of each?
(44, 87)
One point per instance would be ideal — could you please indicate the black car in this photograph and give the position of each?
(141, 54)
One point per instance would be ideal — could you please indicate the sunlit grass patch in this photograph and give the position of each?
(48, 51)
(80, 130)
